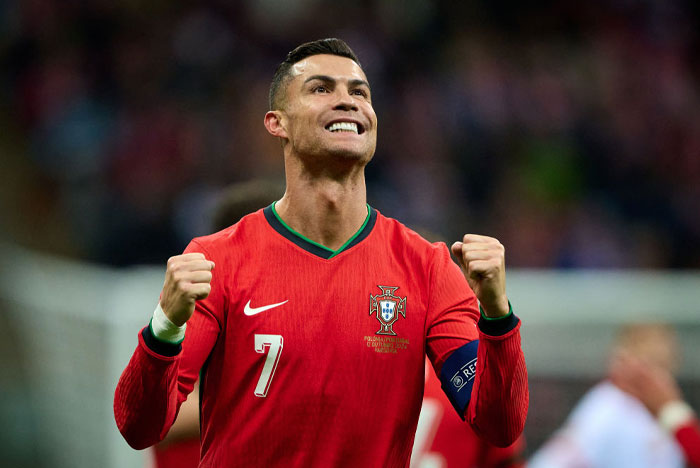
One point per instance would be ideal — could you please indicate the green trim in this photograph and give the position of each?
(510, 312)
(333, 252)
(342, 247)
(274, 210)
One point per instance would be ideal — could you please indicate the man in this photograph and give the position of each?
(310, 319)
(611, 428)
(658, 391)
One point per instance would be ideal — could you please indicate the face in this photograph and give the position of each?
(328, 110)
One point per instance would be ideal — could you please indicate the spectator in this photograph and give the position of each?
(611, 428)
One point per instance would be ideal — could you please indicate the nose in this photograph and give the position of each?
(345, 101)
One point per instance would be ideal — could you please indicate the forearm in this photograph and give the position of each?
(146, 398)
(500, 396)
(678, 419)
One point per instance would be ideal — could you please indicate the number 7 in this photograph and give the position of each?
(274, 342)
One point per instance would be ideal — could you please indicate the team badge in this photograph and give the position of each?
(387, 307)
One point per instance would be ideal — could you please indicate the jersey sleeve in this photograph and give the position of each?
(688, 436)
(479, 362)
(160, 375)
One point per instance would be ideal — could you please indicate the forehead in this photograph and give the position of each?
(334, 66)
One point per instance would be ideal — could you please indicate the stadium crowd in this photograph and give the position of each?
(122, 121)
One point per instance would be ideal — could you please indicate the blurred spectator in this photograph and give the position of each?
(612, 428)
(584, 116)
(656, 388)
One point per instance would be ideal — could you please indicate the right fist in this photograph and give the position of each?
(187, 279)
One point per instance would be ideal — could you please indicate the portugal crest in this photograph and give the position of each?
(387, 306)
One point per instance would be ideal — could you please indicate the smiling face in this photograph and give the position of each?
(327, 110)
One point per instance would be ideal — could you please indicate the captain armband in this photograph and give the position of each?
(457, 376)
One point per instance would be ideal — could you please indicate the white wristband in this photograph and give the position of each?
(674, 414)
(165, 330)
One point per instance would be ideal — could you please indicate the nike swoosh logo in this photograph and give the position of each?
(248, 310)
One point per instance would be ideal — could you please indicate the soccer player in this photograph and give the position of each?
(309, 320)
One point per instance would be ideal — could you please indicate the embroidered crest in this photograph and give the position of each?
(387, 306)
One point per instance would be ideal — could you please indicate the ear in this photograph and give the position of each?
(274, 123)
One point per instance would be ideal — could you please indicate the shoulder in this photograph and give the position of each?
(247, 229)
(401, 236)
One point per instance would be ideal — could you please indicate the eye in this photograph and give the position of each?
(359, 92)
(320, 89)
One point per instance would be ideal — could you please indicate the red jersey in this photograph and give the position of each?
(180, 454)
(444, 441)
(310, 357)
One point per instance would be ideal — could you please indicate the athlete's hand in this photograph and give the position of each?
(483, 263)
(187, 279)
(652, 385)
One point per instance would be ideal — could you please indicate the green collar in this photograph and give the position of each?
(276, 222)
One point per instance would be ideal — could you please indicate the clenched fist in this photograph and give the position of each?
(483, 263)
(187, 279)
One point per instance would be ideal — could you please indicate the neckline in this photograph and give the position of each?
(276, 222)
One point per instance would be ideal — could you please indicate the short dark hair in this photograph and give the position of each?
(331, 46)
(242, 198)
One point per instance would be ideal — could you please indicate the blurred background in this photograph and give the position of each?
(570, 131)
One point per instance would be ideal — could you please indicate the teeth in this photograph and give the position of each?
(343, 127)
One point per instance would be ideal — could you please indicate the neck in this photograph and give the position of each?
(327, 210)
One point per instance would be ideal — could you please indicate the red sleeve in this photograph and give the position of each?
(504, 457)
(160, 375)
(688, 436)
(499, 398)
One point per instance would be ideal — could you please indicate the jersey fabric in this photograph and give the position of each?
(311, 357)
(180, 454)
(444, 441)
(688, 436)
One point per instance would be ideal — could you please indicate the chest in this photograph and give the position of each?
(365, 311)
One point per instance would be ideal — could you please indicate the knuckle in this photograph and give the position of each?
(179, 279)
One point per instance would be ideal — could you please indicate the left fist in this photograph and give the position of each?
(483, 263)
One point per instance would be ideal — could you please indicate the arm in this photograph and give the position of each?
(500, 396)
(161, 373)
(499, 400)
(656, 388)
(688, 435)
(186, 425)
(479, 361)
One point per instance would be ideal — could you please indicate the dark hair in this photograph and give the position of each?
(331, 46)
(242, 198)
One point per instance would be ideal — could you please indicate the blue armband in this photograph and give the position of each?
(457, 376)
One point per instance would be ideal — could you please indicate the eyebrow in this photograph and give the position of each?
(330, 79)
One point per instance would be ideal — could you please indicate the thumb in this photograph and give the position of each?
(457, 252)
